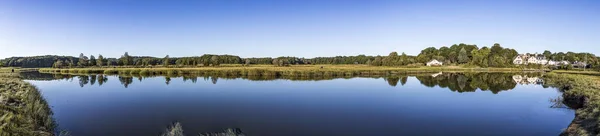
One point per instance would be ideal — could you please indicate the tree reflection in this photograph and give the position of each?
(125, 80)
(83, 80)
(92, 79)
(214, 79)
(470, 82)
(101, 80)
(457, 82)
(392, 81)
(167, 80)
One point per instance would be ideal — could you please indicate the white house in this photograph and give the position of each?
(434, 62)
(542, 61)
(532, 60)
(552, 62)
(519, 60)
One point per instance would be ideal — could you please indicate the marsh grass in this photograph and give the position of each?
(583, 93)
(24, 111)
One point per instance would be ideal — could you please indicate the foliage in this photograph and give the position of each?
(100, 61)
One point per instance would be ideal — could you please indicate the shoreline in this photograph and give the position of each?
(262, 70)
(581, 93)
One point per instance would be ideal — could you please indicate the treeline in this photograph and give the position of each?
(457, 54)
(571, 57)
(35, 61)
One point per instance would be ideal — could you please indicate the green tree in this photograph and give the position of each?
(58, 64)
(215, 60)
(126, 59)
(92, 61)
(100, 61)
(70, 63)
(547, 54)
(83, 60)
(480, 57)
(166, 61)
(463, 56)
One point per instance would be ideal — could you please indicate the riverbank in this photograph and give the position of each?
(24, 112)
(268, 70)
(581, 92)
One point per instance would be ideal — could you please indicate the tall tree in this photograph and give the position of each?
(100, 61)
(92, 61)
(83, 60)
(166, 61)
(463, 56)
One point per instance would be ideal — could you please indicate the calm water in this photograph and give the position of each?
(448, 104)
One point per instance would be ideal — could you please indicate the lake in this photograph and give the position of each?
(492, 104)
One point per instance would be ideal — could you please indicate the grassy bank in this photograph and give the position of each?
(24, 112)
(581, 92)
(267, 70)
(592, 73)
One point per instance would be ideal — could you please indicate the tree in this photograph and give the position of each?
(70, 63)
(100, 61)
(547, 54)
(247, 62)
(58, 64)
(462, 56)
(215, 60)
(92, 60)
(126, 59)
(166, 61)
(480, 57)
(83, 60)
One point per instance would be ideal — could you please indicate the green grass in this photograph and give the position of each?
(583, 93)
(24, 112)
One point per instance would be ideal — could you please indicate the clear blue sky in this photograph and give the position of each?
(303, 28)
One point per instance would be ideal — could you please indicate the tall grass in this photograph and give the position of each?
(583, 93)
(24, 111)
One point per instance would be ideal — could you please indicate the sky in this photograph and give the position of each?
(302, 28)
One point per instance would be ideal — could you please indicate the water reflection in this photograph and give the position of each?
(358, 106)
(456, 82)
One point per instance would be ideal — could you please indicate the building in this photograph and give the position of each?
(434, 62)
(519, 60)
(552, 62)
(532, 60)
